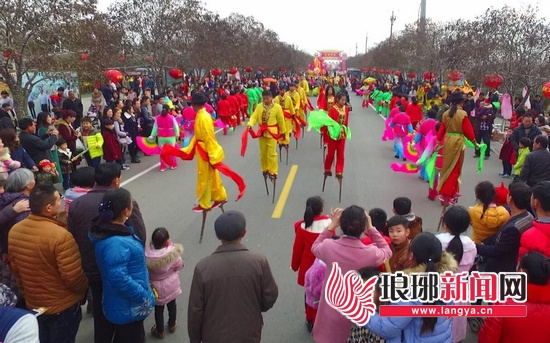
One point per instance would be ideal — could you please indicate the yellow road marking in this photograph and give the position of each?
(278, 211)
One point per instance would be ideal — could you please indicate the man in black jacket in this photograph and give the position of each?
(79, 222)
(536, 167)
(73, 103)
(38, 148)
(526, 129)
(501, 252)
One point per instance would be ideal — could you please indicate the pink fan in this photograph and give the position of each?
(407, 168)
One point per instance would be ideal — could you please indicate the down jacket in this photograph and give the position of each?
(46, 262)
(127, 295)
(164, 265)
(488, 226)
(536, 238)
(532, 328)
(394, 329)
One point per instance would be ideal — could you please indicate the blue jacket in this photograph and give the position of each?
(407, 329)
(21, 155)
(127, 294)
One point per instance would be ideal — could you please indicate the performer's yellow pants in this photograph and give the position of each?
(289, 124)
(302, 114)
(209, 185)
(268, 155)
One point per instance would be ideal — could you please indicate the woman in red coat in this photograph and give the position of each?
(414, 110)
(112, 151)
(66, 131)
(534, 327)
(307, 231)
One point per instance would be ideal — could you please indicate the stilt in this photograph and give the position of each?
(324, 182)
(340, 192)
(274, 181)
(286, 147)
(204, 213)
(321, 140)
(265, 181)
(445, 205)
(280, 153)
(296, 143)
(221, 208)
(324, 152)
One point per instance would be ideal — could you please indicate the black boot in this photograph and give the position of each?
(135, 160)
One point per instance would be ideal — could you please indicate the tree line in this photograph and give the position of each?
(505, 41)
(52, 36)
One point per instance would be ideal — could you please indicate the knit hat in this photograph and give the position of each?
(230, 226)
(502, 194)
(45, 163)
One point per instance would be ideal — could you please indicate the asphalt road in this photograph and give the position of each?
(166, 200)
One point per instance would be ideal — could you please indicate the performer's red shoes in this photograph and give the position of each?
(328, 173)
(198, 209)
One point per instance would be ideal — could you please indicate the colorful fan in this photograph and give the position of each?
(409, 152)
(429, 150)
(148, 147)
(407, 168)
(218, 123)
(388, 131)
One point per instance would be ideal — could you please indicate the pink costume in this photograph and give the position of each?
(167, 130)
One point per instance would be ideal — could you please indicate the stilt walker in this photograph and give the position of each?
(325, 102)
(210, 190)
(272, 128)
(336, 126)
(297, 121)
(284, 100)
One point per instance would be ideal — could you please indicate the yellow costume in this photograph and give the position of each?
(303, 102)
(209, 184)
(288, 110)
(272, 125)
(305, 85)
(296, 103)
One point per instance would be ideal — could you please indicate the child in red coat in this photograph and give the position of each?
(307, 231)
(112, 151)
(507, 155)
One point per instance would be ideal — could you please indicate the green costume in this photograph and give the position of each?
(386, 99)
(252, 99)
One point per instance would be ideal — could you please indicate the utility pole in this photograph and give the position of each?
(366, 42)
(422, 15)
(392, 20)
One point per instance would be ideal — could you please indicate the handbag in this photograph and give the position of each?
(360, 334)
(79, 145)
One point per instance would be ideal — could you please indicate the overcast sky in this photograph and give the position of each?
(315, 25)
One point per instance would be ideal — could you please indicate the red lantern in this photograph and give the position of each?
(216, 72)
(282, 70)
(261, 69)
(248, 69)
(388, 71)
(84, 57)
(493, 81)
(114, 75)
(397, 73)
(374, 70)
(455, 76)
(175, 73)
(546, 90)
(428, 76)
(7, 54)
(364, 69)
(149, 59)
(233, 71)
(411, 75)
(121, 58)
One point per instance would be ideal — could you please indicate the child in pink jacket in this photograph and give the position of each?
(164, 263)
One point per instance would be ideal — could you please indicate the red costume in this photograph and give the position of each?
(415, 112)
(224, 111)
(340, 115)
(244, 104)
(235, 109)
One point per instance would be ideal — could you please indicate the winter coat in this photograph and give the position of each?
(7, 163)
(8, 217)
(37, 148)
(43, 178)
(313, 282)
(111, 146)
(302, 257)
(535, 168)
(407, 329)
(67, 132)
(17, 326)
(71, 194)
(122, 135)
(484, 111)
(522, 155)
(537, 238)
(230, 290)
(532, 328)
(164, 265)
(501, 253)
(64, 159)
(92, 139)
(507, 152)
(127, 294)
(488, 226)
(21, 155)
(468, 259)
(350, 254)
(519, 132)
(80, 220)
(130, 124)
(46, 262)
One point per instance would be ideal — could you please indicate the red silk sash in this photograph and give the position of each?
(297, 121)
(259, 133)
